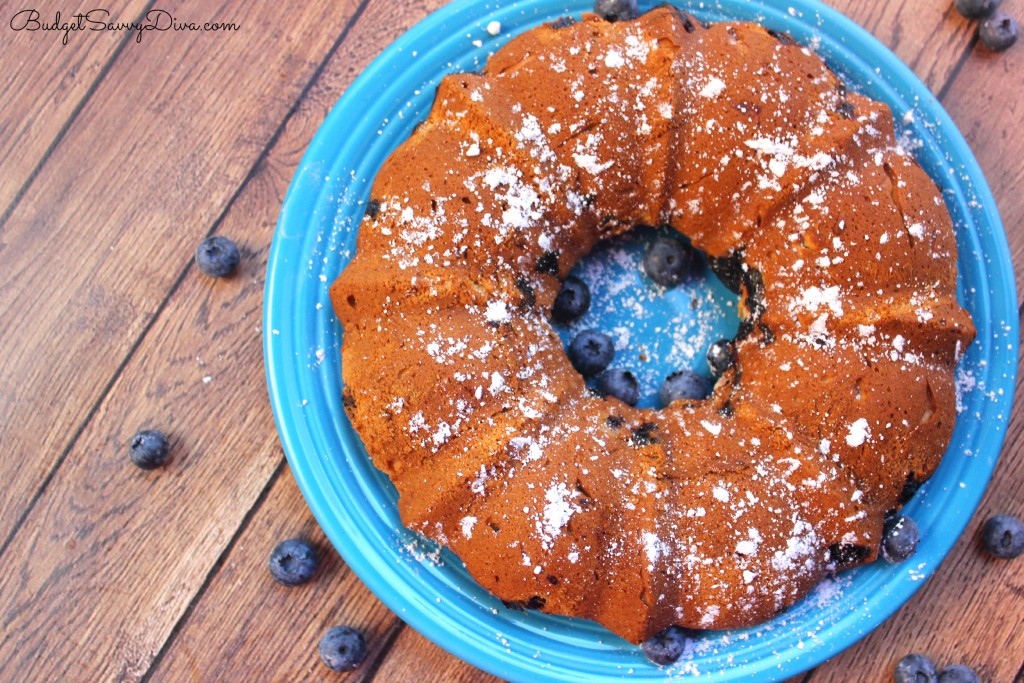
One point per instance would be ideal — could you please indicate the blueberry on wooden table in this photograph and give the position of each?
(915, 668)
(668, 261)
(998, 32)
(572, 302)
(217, 256)
(958, 673)
(617, 10)
(976, 9)
(590, 352)
(900, 537)
(665, 648)
(684, 384)
(1003, 536)
(619, 383)
(149, 448)
(292, 562)
(342, 649)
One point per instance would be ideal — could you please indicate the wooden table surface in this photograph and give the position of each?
(117, 156)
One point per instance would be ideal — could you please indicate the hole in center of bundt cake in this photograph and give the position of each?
(655, 320)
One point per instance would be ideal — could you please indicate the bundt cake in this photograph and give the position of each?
(706, 514)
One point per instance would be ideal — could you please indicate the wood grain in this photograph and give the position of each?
(203, 351)
(928, 35)
(987, 104)
(414, 658)
(124, 575)
(246, 626)
(167, 149)
(52, 81)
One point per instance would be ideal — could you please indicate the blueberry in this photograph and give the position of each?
(668, 261)
(847, 554)
(342, 648)
(998, 32)
(666, 647)
(590, 352)
(728, 269)
(617, 10)
(976, 9)
(900, 537)
(1003, 536)
(684, 384)
(958, 673)
(720, 356)
(915, 669)
(217, 256)
(292, 562)
(572, 301)
(149, 449)
(621, 384)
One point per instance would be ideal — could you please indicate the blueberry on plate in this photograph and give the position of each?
(572, 302)
(998, 32)
(621, 384)
(217, 256)
(958, 673)
(1003, 536)
(666, 647)
(148, 449)
(668, 261)
(342, 648)
(590, 352)
(684, 384)
(720, 356)
(900, 537)
(292, 562)
(976, 9)
(617, 10)
(915, 669)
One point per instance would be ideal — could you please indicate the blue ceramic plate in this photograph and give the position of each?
(355, 503)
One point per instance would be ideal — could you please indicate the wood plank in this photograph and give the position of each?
(986, 103)
(247, 627)
(414, 658)
(91, 251)
(111, 556)
(131, 550)
(51, 80)
(928, 35)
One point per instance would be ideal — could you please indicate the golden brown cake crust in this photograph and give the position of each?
(711, 514)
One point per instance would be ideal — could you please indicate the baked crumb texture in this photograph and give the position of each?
(712, 514)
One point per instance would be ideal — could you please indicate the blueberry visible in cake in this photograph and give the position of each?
(590, 352)
(619, 383)
(683, 385)
(572, 302)
(705, 514)
(668, 261)
(720, 356)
